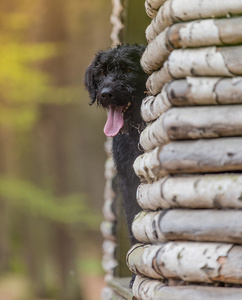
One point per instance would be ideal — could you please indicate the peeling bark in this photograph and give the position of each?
(192, 262)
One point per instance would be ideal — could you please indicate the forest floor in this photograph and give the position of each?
(14, 287)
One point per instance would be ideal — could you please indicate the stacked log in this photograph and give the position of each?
(109, 225)
(191, 172)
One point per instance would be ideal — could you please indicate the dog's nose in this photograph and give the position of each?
(107, 94)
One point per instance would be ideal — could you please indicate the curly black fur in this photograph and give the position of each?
(115, 79)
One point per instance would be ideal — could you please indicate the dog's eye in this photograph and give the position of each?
(128, 70)
(102, 73)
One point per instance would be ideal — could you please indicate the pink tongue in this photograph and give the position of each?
(114, 122)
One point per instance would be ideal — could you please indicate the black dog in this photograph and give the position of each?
(116, 80)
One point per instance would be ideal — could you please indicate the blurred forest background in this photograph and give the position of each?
(51, 154)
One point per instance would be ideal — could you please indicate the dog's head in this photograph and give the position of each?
(116, 81)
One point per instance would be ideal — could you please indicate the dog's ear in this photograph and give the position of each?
(89, 82)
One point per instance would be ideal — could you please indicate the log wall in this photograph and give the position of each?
(190, 229)
(109, 225)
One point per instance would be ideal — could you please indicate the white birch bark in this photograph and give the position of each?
(116, 22)
(192, 91)
(108, 230)
(210, 61)
(206, 225)
(148, 289)
(107, 293)
(154, 135)
(203, 91)
(200, 156)
(158, 79)
(140, 259)
(152, 6)
(109, 247)
(192, 262)
(109, 168)
(146, 227)
(152, 107)
(109, 263)
(156, 53)
(199, 191)
(109, 194)
(174, 11)
(108, 211)
(198, 33)
(145, 289)
(147, 166)
(193, 123)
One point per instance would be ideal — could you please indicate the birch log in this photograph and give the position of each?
(193, 123)
(108, 264)
(147, 289)
(211, 155)
(198, 33)
(109, 194)
(192, 262)
(193, 91)
(116, 22)
(208, 61)
(199, 191)
(203, 91)
(147, 166)
(152, 6)
(108, 230)
(107, 293)
(207, 225)
(152, 107)
(109, 212)
(174, 11)
(156, 53)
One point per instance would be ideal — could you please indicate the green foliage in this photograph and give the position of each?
(45, 47)
(90, 266)
(23, 85)
(71, 209)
